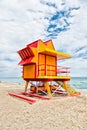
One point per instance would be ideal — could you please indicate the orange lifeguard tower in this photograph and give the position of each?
(40, 64)
(42, 72)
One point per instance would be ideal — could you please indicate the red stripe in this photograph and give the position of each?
(22, 54)
(31, 101)
(35, 95)
(45, 73)
(24, 51)
(27, 50)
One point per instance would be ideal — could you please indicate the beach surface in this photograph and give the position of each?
(68, 113)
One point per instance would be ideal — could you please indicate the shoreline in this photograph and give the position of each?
(16, 83)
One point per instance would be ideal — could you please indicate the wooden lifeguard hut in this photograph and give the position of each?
(42, 72)
(40, 63)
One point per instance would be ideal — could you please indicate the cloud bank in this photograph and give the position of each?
(63, 21)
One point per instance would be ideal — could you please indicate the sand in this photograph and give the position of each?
(62, 114)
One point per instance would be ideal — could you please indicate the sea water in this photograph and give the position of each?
(76, 82)
(17, 80)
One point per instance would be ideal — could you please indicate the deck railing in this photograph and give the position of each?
(52, 70)
(62, 70)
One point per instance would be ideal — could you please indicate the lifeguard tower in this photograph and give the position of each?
(42, 72)
(40, 63)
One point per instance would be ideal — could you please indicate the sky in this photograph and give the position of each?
(25, 21)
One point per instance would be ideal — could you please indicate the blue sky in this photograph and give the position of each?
(24, 21)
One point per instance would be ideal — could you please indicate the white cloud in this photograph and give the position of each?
(22, 22)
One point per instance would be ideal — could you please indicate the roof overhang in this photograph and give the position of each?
(60, 55)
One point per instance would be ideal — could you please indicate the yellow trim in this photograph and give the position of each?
(50, 45)
(34, 50)
(60, 55)
(53, 77)
(69, 89)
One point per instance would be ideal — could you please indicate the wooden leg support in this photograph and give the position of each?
(71, 91)
(26, 85)
(65, 85)
(48, 89)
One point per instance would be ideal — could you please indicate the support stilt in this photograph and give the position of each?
(65, 85)
(72, 91)
(48, 89)
(26, 85)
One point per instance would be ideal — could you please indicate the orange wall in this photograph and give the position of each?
(29, 71)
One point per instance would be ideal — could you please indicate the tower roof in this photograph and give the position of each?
(30, 52)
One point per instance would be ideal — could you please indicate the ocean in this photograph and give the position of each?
(76, 82)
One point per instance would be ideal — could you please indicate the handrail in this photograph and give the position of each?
(64, 67)
(63, 70)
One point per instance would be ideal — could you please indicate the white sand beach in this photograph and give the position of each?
(62, 114)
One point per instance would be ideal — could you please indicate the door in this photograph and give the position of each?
(50, 65)
(47, 65)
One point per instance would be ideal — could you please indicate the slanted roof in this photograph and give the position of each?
(29, 54)
(26, 55)
(49, 44)
(60, 55)
(34, 44)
